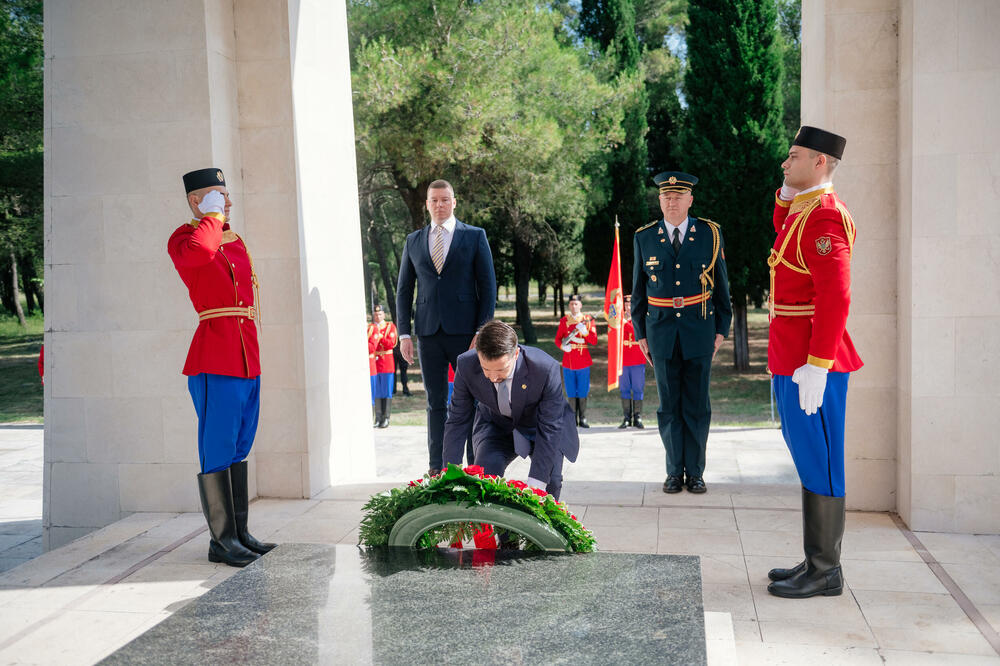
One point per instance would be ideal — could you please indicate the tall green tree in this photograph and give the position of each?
(21, 165)
(611, 25)
(733, 137)
(790, 39)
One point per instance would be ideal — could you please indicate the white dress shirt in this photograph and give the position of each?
(449, 233)
(669, 229)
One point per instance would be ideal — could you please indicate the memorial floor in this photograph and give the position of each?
(911, 598)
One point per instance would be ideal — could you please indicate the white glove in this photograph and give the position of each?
(566, 345)
(812, 383)
(787, 193)
(582, 327)
(213, 202)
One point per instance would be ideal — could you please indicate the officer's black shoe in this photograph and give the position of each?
(582, 402)
(217, 503)
(637, 414)
(627, 414)
(822, 533)
(406, 392)
(386, 410)
(241, 502)
(782, 574)
(673, 484)
(695, 484)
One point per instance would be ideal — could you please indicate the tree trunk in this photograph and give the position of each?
(522, 288)
(741, 338)
(415, 199)
(15, 290)
(383, 264)
(542, 289)
(28, 281)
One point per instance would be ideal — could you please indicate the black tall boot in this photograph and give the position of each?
(241, 502)
(822, 533)
(582, 402)
(627, 412)
(377, 411)
(386, 409)
(637, 414)
(217, 503)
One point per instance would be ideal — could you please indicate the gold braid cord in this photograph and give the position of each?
(707, 276)
(798, 228)
(253, 280)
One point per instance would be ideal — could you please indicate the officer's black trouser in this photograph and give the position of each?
(685, 410)
(436, 352)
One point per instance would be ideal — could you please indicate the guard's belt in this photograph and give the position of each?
(794, 310)
(384, 353)
(679, 302)
(215, 313)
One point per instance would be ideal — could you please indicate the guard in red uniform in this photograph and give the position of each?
(576, 331)
(633, 380)
(223, 363)
(382, 336)
(809, 353)
(372, 371)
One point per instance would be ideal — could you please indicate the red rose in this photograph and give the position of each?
(415, 483)
(474, 470)
(517, 484)
(492, 477)
(539, 492)
(572, 516)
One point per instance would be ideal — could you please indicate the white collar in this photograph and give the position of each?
(816, 187)
(449, 224)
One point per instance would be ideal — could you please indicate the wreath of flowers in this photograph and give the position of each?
(472, 486)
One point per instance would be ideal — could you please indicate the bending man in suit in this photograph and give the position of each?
(452, 267)
(519, 409)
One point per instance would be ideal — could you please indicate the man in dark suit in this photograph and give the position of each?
(452, 267)
(519, 409)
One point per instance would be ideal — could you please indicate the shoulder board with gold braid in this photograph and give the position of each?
(651, 224)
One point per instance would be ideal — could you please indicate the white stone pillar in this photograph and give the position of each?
(136, 94)
(949, 277)
(849, 86)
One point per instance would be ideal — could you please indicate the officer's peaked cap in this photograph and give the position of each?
(675, 181)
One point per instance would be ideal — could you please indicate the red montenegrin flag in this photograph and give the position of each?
(613, 304)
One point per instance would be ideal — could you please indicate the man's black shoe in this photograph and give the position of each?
(696, 485)
(672, 485)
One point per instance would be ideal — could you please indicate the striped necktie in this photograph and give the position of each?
(437, 254)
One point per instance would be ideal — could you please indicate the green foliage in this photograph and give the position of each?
(383, 510)
(732, 137)
(790, 39)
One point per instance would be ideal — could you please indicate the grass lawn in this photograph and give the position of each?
(20, 386)
(738, 399)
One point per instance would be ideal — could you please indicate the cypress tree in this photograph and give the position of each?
(611, 24)
(732, 138)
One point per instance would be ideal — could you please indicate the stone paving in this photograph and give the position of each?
(923, 598)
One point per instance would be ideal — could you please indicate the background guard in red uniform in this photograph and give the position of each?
(576, 331)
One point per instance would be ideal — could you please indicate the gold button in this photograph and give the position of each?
(652, 278)
(690, 237)
(678, 283)
(678, 314)
(524, 386)
(663, 240)
(241, 302)
(677, 265)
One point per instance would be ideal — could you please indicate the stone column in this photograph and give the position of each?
(849, 86)
(136, 94)
(949, 271)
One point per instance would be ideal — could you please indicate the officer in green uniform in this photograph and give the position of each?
(681, 314)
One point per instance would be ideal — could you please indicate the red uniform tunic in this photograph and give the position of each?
(384, 338)
(811, 284)
(372, 371)
(631, 354)
(216, 267)
(578, 357)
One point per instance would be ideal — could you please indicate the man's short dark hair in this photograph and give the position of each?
(496, 340)
(440, 185)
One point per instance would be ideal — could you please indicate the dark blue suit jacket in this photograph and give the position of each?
(538, 411)
(461, 298)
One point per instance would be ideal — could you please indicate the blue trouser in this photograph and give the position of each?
(372, 377)
(816, 442)
(384, 384)
(632, 382)
(228, 408)
(577, 382)
(436, 352)
(494, 454)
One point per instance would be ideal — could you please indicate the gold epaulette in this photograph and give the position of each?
(714, 224)
(651, 224)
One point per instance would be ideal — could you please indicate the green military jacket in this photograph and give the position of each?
(680, 295)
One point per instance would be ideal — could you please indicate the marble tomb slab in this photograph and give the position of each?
(313, 603)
